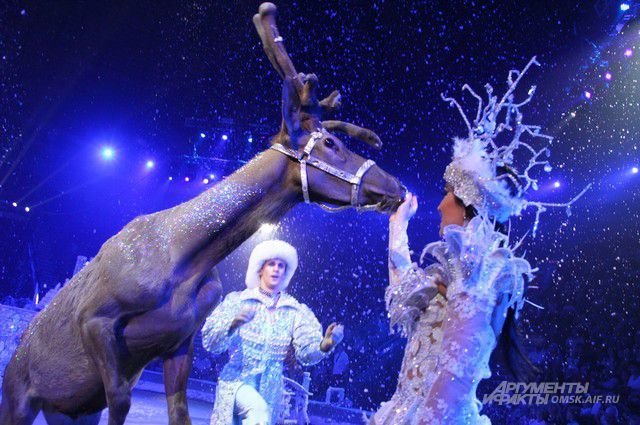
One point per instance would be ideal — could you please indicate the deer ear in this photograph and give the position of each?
(291, 108)
(283, 137)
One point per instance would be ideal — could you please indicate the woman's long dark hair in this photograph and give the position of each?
(509, 348)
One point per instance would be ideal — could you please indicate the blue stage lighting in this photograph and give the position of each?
(587, 94)
(107, 153)
(624, 7)
(15, 204)
(27, 209)
(556, 184)
(634, 170)
(150, 164)
(170, 178)
(205, 181)
(250, 139)
(212, 176)
(225, 137)
(187, 179)
(202, 135)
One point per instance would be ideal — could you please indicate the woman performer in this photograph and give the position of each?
(457, 310)
(257, 327)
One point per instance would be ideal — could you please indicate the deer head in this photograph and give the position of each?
(329, 172)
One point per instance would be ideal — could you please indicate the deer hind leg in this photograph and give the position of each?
(18, 407)
(108, 353)
(56, 418)
(19, 411)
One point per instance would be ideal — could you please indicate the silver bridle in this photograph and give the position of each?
(305, 159)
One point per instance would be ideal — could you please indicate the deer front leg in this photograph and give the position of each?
(177, 364)
(102, 346)
(177, 367)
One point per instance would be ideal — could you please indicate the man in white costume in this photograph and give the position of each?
(257, 327)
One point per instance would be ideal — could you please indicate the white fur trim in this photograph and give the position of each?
(266, 251)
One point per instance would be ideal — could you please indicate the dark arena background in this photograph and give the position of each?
(111, 110)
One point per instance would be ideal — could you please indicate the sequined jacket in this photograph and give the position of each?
(417, 309)
(258, 348)
(484, 278)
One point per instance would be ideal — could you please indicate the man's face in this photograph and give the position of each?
(272, 274)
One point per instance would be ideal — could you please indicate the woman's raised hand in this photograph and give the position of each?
(407, 209)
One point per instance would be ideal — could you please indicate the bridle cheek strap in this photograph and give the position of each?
(305, 159)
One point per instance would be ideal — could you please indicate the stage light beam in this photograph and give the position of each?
(150, 164)
(556, 184)
(634, 170)
(225, 137)
(624, 7)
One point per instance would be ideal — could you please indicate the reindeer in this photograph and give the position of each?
(151, 286)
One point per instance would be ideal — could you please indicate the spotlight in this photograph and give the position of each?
(624, 7)
(634, 170)
(170, 178)
(27, 209)
(250, 139)
(205, 181)
(187, 179)
(628, 53)
(556, 184)
(150, 164)
(587, 94)
(225, 137)
(15, 204)
(202, 135)
(608, 76)
(212, 176)
(107, 153)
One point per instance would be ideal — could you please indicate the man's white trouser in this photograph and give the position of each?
(250, 407)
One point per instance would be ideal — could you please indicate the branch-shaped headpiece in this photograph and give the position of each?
(477, 159)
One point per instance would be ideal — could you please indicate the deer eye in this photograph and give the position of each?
(329, 143)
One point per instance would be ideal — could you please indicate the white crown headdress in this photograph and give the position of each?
(473, 172)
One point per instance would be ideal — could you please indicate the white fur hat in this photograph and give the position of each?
(266, 251)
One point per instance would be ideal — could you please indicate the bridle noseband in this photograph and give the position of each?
(305, 159)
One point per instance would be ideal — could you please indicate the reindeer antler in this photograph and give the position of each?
(354, 131)
(265, 23)
(272, 43)
(304, 84)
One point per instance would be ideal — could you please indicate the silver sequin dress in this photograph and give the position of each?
(415, 306)
(257, 349)
(484, 278)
